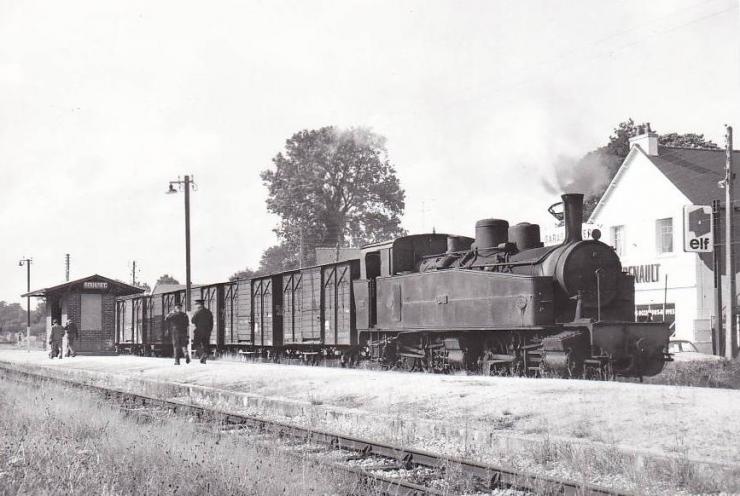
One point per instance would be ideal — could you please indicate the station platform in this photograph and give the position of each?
(472, 416)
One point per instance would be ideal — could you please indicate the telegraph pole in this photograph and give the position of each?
(717, 268)
(186, 183)
(133, 273)
(27, 263)
(66, 267)
(730, 337)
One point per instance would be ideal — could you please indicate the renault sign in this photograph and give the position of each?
(697, 229)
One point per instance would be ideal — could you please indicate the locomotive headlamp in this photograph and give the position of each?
(596, 234)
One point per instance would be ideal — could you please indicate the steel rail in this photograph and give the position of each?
(492, 476)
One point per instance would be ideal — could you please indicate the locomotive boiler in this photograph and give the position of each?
(503, 302)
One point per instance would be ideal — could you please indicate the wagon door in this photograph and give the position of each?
(211, 301)
(330, 305)
(344, 321)
(156, 320)
(311, 305)
(244, 318)
(268, 312)
(291, 311)
(138, 320)
(230, 292)
(128, 323)
(120, 321)
(259, 317)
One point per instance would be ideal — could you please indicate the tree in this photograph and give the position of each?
(145, 286)
(332, 187)
(279, 258)
(167, 279)
(245, 273)
(688, 140)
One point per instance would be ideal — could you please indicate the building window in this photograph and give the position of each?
(664, 235)
(618, 239)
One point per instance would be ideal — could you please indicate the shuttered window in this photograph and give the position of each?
(664, 235)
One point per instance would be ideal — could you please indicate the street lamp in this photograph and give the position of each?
(27, 263)
(185, 185)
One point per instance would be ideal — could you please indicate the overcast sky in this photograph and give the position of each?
(102, 103)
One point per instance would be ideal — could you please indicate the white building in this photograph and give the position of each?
(641, 216)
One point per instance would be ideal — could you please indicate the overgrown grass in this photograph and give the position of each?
(721, 374)
(54, 440)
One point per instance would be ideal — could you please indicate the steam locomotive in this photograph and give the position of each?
(497, 303)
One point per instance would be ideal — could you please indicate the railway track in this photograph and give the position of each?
(389, 469)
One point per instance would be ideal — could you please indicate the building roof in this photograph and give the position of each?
(695, 171)
(117, 287)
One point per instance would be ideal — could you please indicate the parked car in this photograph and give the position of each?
(685, 351)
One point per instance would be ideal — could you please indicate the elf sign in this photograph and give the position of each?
(697, 229)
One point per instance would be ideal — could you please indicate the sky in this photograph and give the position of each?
(103, 103)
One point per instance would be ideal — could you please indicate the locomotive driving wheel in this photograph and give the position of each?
(497, 358)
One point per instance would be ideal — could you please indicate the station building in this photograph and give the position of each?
(641, 216)
(90, 303)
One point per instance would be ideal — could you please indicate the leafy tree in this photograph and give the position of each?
(688, 140)
(245, 273)
(145, 286)
(279, 258)
(167, 279)
(332, 187)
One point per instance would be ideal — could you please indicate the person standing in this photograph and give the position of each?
(72, 335)
(55, 339)
(203, 320)
(177, 325)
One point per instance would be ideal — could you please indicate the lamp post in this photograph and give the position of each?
(185, 185)
(27, 263)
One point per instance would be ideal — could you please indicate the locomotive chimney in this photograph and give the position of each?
(573, 210)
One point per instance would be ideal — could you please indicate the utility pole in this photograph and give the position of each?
(717, 268)
(185, 184)
(27, 263)
(730, 301)
(66, 267)
(133, 273)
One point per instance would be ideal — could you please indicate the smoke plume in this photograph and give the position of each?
(588, 175)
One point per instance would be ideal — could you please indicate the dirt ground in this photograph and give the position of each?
(700, 422)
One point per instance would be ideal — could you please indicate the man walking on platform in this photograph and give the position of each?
(55, 340)
(203, 320)
(177, 324)
(72, 334)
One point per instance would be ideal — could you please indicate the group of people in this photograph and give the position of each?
(177, 324)
(56, 339)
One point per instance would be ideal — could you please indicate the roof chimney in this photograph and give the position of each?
(646, 139)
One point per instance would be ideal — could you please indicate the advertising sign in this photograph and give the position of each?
(697, 229)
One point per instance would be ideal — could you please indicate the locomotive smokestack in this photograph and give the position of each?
(573, 210)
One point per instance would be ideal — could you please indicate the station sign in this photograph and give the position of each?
(697, 229)
(95, 285)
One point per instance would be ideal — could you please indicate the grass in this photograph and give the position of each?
(55, 440)
(720, 374)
